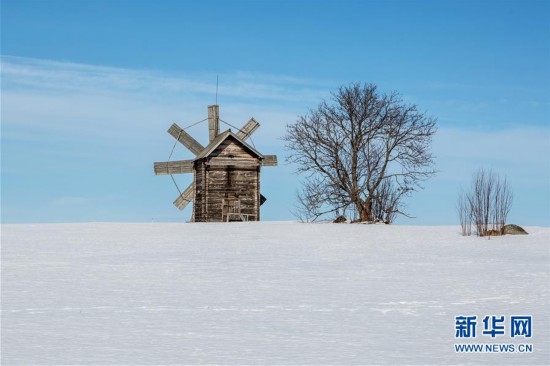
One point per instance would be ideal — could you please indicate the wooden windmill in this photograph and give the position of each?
(226, 184)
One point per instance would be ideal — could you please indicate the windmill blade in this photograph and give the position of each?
(213, 121)
(184, 198)
(269, 160)
(248, 129)
(174, 167)
(185, 139)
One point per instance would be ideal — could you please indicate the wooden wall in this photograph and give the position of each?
(229, 172)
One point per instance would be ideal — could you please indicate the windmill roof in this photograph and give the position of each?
(221, 138)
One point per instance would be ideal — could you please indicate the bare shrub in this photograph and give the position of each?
(464, 214)
(486, 205)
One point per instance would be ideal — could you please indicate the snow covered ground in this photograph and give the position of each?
(265, 293)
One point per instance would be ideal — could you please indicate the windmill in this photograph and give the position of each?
(226, 172)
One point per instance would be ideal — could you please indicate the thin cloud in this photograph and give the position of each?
(115, 106)
(19, 72)
(520, 152)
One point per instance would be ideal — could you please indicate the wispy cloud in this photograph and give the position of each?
(122, 106)
(522, 152)
(18, 72)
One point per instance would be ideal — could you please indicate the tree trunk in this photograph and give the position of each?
(365, 210)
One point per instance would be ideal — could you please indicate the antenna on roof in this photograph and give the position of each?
(216, 89)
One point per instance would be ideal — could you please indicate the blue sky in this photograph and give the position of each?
(90, 87)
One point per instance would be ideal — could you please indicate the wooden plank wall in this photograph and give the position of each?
(230, 172)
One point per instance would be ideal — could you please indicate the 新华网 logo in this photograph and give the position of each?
(493, 326)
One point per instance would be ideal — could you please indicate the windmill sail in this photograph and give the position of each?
(174, 167)
(184, 198)
(185, 139)
(269, 160)
(248, 129)
(213, 121)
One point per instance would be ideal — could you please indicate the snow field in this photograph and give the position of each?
(264, 293)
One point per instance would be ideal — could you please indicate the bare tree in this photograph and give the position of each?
(486, 206)
(362, 149)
